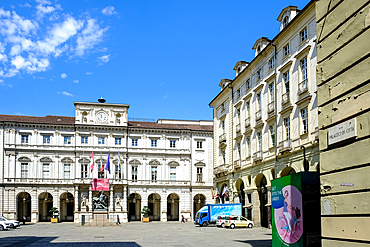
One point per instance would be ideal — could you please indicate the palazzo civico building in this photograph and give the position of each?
(266, 118)
(45, 162)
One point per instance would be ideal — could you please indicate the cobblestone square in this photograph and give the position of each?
(134, 234)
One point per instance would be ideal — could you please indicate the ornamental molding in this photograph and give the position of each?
(46, 160)
(84, 160)
(24, 159)
(135, 162)
(173, 163)
(154, 163)
(67, 160)
(101, 161)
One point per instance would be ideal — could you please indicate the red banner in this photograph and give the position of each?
(100, 184)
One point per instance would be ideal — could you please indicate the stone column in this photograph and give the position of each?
(90, 199)
(124, 205)
(34, 206)
(163, 207)
(76, 197)
(256, 212)
(110, 208)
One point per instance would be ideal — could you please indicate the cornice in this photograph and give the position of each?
(286, 66)
(303, 52)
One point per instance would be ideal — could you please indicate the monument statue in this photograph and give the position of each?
(118, 203)
(83, 201)
(100, 202)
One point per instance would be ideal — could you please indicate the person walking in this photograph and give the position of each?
(118, 222)
(182, 219)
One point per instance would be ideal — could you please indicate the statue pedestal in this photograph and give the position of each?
(100, 218)
(83, 208)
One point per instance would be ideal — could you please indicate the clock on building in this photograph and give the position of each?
(101, 117)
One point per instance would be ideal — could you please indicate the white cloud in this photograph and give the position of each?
(75, 81)
(25, 5)
(64, 75)
(109, 11)
(3, 84)
(89, 73)
(67, 94)
(90, 36)
(104, 59)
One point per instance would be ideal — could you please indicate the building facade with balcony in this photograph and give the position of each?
(46, 162)
(265, 119)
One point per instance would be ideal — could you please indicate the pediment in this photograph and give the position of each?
(24, 159)
(68, 160)
(154, 163)
(46, 160)
(83, 160)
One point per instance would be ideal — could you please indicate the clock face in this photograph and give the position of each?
(101, 117)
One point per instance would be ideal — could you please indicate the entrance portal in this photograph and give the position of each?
(134, 207)
(67, 203)
(154, 204)
(173, 207)
(198, 202)
(45, 204)
(24, 206)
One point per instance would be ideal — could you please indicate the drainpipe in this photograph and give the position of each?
(232, 133)
(275, 106)
(2, 182)
(127, 190)
(305, 162)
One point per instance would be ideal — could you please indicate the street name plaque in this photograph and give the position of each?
(342, 131)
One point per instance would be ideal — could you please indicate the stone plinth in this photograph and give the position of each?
(100, 219)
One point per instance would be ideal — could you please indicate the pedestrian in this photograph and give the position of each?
(24, 219)
(182, 219)
(118, 222)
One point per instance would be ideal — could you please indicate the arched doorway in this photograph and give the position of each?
(261, 183)
(67, 203)
(24, 206)
(287, 171)
(45, 204)
(173, 207)
(134, 207)
(154, 204)
(239, 185)
(199, 201)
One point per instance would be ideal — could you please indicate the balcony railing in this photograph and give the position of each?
(219, 169)
(285, 146)
(237, 128)
(159, 182)
(285, 98)
(199, 177)
(57, 180)
(237, 164)
(223, 137)
(247, 122)
(257, 156)
(302, 86)
(271, 106)
(258, 115)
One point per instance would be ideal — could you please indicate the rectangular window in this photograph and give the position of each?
(199, 174)
(117, 172)
(248, 147)
(173, 173)
(238, 148)
(286, 81)
(271, 92)
(153, 143)
(247, 108)
(238, 93)
(272, 136)
(259, 139)
(271, 63)
(304, 116)
(304, 69)
(84, 170)
(46, 139)
(154, 173)
(247, 85)
(134, 142)
(67, 171)
(303, 35)
(238, 116)
(199, 144)
(101, 140)
(24, 138)
(45, 170)
(286, 50)
(259, 74)
(223, 157)
(287, 128)
(117, 141)
(67, 140)
(84, 139)
(134, 173)
(258, 101)
(24, 170)
(172, 144)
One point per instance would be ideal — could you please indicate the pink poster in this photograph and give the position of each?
(100, 184)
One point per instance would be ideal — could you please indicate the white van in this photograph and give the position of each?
(7, 220)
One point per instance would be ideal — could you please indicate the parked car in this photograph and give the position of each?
(5, 226)
(238, 221)
(7, 220)
(220, 222)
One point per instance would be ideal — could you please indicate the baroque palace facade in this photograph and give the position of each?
(45, 162)
(266, 118)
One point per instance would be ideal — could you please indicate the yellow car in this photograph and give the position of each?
(238, 221)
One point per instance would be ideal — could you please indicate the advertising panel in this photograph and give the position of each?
(287, 211)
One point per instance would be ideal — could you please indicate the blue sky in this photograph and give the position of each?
(163, 58)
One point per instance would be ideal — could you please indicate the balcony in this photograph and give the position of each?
(199, 177)
(222, 137)
(257, 156)
(271, 107)
(237, 164)
(159, 182)
(220, 169)
(237, 128)
(285, 146)
(302, 87)
(61, 181)
(247, 122)
(258, 115)
(285, 98)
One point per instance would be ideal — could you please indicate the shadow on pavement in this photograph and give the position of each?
(257, 243)
(46, 241)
